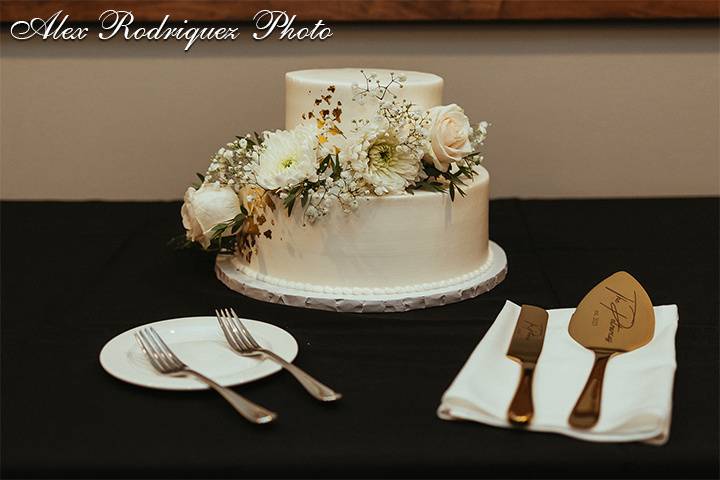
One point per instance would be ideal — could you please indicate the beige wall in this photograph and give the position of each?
(578, 110)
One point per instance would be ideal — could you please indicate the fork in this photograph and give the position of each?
(166, 362)
(240, 339)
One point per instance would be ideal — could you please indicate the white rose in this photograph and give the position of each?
(449, 136)
(206, 207)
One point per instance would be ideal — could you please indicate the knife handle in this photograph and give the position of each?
(587, 409)
(521, 408)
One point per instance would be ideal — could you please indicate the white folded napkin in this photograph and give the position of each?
(637, 391)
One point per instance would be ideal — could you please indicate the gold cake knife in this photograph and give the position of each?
(525, 347)
(615, 317)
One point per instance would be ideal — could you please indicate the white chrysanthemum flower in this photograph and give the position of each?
(287, 158)
(376, 151)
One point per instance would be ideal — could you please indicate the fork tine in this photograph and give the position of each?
(237, 333)
(226, 331)
(164, 349)
(152, 349)
(151, 352)
(174, 360)
(244, 330)
(146, 350)
(155, 349)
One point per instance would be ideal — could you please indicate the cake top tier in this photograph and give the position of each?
(348, 76)
(307, 91)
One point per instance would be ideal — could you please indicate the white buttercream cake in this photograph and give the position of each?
(398, 243)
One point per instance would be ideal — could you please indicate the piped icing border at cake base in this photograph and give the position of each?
(402, 289)
(343, 299)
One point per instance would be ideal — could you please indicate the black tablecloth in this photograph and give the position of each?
(76, 274)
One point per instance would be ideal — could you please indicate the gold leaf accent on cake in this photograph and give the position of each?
(269, 202)
(337, 112)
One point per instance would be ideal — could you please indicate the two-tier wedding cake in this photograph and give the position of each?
(372, 199)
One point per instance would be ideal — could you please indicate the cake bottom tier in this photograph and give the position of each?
(390, 245)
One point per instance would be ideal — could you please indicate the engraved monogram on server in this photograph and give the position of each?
(531, 329)
(620, 308)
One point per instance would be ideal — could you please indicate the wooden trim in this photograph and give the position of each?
(369, 10)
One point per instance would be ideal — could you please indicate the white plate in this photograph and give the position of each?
(199, 343)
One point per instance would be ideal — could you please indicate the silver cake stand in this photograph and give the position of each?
(236, 280)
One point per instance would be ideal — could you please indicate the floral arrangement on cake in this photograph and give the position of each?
(318, 166)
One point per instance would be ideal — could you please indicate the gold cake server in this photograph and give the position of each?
(525, 347)
(614, 317)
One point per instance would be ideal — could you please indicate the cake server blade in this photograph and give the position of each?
(615, 317)
(525, 347)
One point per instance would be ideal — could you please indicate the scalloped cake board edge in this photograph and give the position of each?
(259, 290)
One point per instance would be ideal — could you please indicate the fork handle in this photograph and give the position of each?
(314, 387)
(253, 412)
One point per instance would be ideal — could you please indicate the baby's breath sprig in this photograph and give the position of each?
(373, 87)
(409, 123)
(231, 165)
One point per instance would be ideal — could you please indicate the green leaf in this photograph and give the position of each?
(472, 154)
(325, 163)
(201, 177)
(431, 171)
(430, 186)
(290, 206)
(452, 191)
(222, 245)
(179, 242)
(459, 181)
(336, 168)
(289, 201)
(218, 229)
(238, 222)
